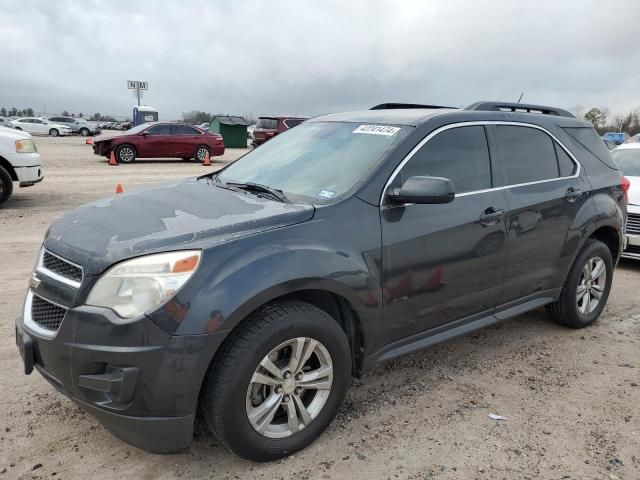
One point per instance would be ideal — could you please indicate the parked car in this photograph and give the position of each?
(40, 126)
(77, 125)
(254, 293)
(203, 126)
(627, 157)
(633, 139)
(609, 144)
(268, 127)
(616, 137)
(5, 122)
(157, 140)
(19, 162)
(250, 130)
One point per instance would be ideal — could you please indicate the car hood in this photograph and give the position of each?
(109, 136)
(14, 134)
(187, 214)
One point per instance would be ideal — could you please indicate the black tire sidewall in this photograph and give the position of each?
(118, 150)
(54, 132)
(7, 186)
(594, 248)
(240, 436)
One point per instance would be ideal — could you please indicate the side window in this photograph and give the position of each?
(160, 130)
(525, 154)
(565, 164)
(55, 119)
(184, 130)
(460, 154)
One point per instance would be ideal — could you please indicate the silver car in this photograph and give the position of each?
(627, 156)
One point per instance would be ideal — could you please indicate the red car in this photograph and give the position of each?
(269, 127)
(159, 140)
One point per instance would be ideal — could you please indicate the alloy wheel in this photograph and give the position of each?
(126, 154)
(289, 387)
(591, 285)
(201, 154)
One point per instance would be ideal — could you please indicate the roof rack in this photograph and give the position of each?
(394, 106)
(518, 108)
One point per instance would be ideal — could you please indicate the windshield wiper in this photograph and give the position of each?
(258, 187)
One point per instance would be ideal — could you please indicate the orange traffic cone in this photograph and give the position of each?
(119, 188)
(207, 160)
(112, 159)
(89, 141)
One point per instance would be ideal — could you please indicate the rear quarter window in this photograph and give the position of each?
(589, 139)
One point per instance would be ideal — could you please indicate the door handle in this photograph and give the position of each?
(491, 216)
(572, 194)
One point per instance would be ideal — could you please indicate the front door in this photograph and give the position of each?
(444, 262)
(158, 142)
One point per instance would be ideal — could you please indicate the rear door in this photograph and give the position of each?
(185, 139)
(158, 143)
(544, 191)
(444, 262)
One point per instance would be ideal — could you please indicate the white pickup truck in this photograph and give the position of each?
(19, 162)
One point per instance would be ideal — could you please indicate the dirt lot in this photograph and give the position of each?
(572, 398)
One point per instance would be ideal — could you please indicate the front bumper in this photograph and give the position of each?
(632, 247)
(28, 176)
(141, 383)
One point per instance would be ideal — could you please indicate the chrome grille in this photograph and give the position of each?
(61, 267)
(46, 314)
(633, 223)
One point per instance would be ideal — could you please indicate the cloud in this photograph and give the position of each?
(314, 57)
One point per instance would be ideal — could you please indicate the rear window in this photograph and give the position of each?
(589, 139)
(525, 155)
(184, 130)
(292, 122)
(269, 123)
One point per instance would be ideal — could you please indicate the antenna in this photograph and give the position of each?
(520, 99)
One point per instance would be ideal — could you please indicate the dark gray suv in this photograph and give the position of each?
(251, 296)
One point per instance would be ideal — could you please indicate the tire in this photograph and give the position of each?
(6, 186)
(84, 132)
(54, 132)
(125, 153)
(229, 393)
(572, 310)
(199, 153)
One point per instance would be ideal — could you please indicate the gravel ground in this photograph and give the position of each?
(572, 398)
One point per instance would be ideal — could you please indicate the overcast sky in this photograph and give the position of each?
(262, 57)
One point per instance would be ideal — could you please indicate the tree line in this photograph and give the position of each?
(28, 112)
(604, 122)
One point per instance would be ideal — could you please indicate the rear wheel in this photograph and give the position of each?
(586, 288)
(201, 152)
(6, 186)
(278, 382)
(54, 132)
(125, 153)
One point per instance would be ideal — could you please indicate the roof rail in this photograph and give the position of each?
(394, 106)
(518, 108)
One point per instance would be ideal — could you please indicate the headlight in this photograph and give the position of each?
(136, 286)
(25, 146)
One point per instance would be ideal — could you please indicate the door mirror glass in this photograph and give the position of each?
(423, 190)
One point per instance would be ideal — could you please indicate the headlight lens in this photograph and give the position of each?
(25, 146)
(136, 286)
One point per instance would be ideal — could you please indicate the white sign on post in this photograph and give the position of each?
(135, 85)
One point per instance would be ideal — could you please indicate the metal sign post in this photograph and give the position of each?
(137, 86)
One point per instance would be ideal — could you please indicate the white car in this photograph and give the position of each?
(19, 162)
(627, 156)
(41, 126)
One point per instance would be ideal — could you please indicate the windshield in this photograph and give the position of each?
(628, 161)
(316, 161)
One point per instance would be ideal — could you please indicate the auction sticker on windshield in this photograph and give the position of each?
(377, 130)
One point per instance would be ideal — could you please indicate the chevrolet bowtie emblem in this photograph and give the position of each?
(34, 283)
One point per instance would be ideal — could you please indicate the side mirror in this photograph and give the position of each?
(423, 190)
(145, 134)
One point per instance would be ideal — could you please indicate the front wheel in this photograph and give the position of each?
(6, 186)
(279, 381)
(125, 154)
(84, 132)
(54, 132)
(586, 288)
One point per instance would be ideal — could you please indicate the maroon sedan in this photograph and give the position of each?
(159, 140)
